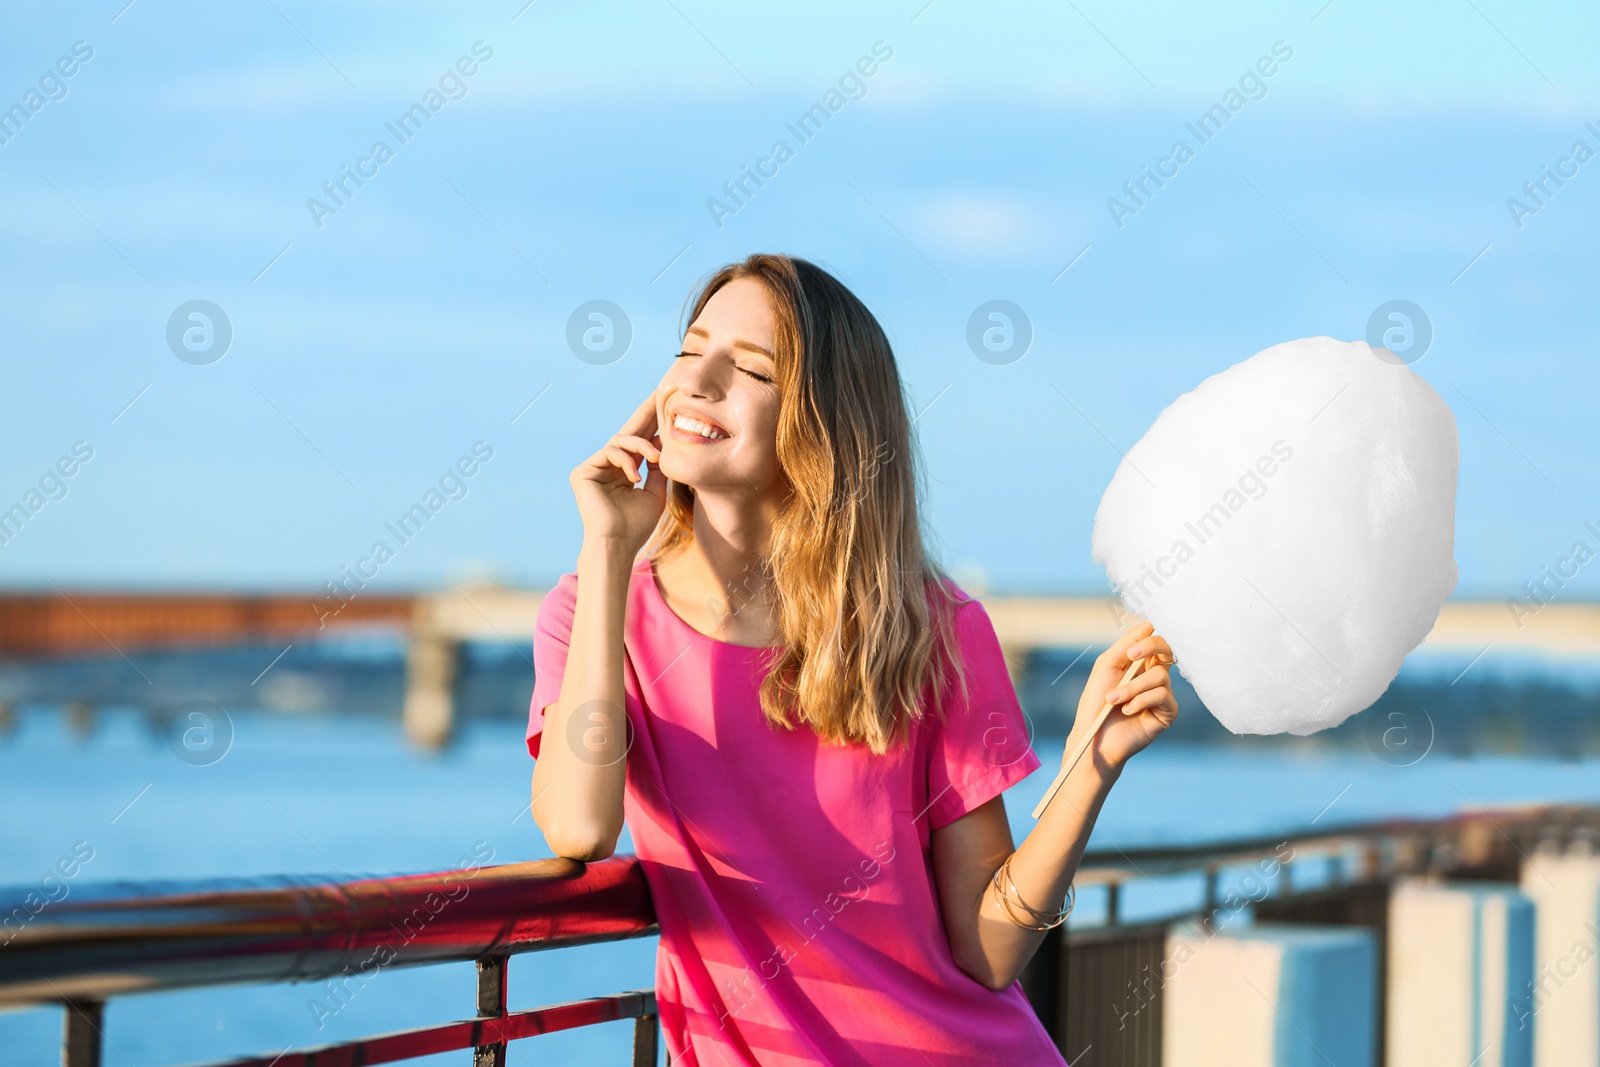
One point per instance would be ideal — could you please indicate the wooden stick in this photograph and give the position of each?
(1083, 746)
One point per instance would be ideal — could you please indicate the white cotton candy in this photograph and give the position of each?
(1289, 527)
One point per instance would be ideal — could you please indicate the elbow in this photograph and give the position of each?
(997, 982)
(1001, 985)
(982, 970)
(583, 850)
(584, 836)
(583, 842)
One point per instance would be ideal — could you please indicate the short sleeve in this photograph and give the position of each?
(983, 745)
(551, 636)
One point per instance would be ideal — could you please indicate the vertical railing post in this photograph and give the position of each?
(81, 1021)
(1041, 979)
(1372, 860)
(646, 1034)
(491, 1005)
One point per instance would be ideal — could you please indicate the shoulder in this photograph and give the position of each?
(964, 613)
(952, 591)
(557, 607)
(972, 665)
(562, 596)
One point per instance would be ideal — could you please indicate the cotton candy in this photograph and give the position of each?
(1289, 527)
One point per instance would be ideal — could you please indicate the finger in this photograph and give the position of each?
(1153, 645)
(622, 458)
(656, 486)
(1117, 655)
(639, 445)
(1154, 678)
(642, 423)
(1165, 712)
(1149, 700)
(597, 464)
(636, 447)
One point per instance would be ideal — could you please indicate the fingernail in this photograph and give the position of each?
(1135, 651)
(1115, 696)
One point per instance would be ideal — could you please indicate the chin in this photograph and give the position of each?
(709, 473)
(683, 471)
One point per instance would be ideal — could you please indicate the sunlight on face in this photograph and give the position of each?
(718, 403)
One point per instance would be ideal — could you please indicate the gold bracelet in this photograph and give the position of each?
(1008, 895)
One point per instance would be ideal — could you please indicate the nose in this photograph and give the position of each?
(705, 377)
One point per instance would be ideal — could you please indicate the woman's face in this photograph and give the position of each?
(718, 403)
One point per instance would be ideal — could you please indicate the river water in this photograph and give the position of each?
(340, 796)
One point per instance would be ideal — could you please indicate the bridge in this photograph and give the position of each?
(71, 622)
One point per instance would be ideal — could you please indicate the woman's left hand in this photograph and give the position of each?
(1141, 709)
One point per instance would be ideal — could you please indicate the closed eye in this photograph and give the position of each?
(757, 375)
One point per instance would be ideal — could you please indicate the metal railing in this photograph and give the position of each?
(115, 940)
(1099, 987)
(100, 942)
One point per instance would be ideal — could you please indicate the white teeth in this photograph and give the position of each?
(685, 423)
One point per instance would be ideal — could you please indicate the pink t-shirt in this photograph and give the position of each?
(792, 878)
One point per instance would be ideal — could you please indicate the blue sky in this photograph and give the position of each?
(373, 351)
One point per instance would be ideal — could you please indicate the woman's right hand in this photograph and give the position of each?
(611, 506)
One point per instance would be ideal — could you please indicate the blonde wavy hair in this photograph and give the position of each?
(866, 617)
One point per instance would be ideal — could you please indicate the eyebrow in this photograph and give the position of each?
(738, 343)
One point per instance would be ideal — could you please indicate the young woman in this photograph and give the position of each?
(806, 728)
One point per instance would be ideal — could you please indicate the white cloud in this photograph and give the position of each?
(981, 223)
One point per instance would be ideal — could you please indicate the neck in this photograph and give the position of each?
(732, 538)
(719, 581)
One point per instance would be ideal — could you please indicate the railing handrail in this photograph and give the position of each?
(99, 941)
(1511, 820)
(79, 945)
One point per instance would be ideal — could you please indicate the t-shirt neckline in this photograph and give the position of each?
(648, 565)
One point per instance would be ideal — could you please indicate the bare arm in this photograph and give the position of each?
(578, 777)
(968, 851)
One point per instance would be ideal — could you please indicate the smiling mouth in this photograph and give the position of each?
(706, 430)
